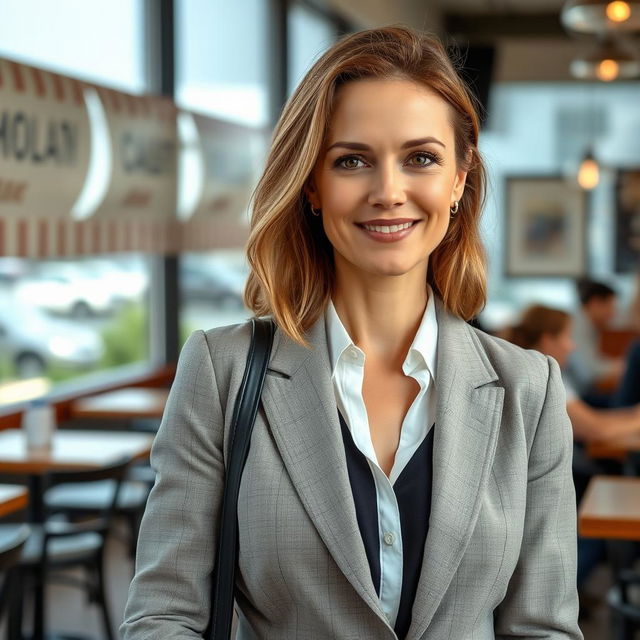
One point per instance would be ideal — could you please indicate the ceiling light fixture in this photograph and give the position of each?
(589, 172)
(601, 16)
(607, 62)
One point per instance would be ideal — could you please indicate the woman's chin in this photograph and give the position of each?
(391, 269)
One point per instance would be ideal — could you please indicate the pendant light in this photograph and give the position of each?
(588, 175)
(589, 172)
(609, 61)
(601, 16)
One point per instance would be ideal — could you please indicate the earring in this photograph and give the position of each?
(315, 213)
(454, 209)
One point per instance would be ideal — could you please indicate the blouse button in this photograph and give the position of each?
(389, 538)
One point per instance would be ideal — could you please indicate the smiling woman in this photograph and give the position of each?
(397, 179)
(409, 476)
(346, 103)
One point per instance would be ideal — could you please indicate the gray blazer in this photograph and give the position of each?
(500, 555)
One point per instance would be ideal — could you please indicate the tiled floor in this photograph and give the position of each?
(597, 624)
(68, 610)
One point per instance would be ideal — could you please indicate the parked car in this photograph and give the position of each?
(64, 289)
(123, 280)
(214, 282)
(32, 342)
(11, 270)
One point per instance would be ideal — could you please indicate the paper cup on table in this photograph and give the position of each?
(38, 423)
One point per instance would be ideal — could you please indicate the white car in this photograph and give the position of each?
(65, 290)
(125, 281)
(31, 342)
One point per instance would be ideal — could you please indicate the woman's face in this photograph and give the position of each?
(558, 346)
(389, 159)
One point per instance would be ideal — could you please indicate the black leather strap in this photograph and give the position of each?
(244, 416)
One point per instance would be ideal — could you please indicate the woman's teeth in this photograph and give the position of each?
(387, 229)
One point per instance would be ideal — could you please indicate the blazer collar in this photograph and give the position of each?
(421, 353)
(300, 407)
(456, 346)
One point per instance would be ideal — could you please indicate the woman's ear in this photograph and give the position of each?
(458, 185)
(311, 192)
(461, 177)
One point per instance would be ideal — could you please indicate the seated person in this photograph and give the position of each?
(550, 332)
(586, 365)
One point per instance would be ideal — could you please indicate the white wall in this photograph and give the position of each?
(523, 138)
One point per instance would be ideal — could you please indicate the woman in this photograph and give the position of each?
(549, 331)
(409, 476)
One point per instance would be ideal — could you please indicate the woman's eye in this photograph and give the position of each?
(424, 159)
(348, 162)
(420, 159)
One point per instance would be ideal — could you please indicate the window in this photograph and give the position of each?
(211, 288)
(64, 318)
(222, 59)
(100, 41)
(310, 34)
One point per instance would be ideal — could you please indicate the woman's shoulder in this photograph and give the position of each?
(513, 364)
(220, 344)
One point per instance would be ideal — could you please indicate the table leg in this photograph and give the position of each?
(36, 516)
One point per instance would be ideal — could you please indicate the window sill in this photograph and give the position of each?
(139, 374)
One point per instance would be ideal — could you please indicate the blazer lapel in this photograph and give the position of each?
(467, 421)
(300, 406)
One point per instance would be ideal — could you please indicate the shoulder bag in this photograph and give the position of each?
(244, 416)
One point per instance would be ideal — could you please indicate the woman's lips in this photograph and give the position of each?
(393, 236)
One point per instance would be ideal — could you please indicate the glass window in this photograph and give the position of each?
(62, 319)
(100, 41)
(309, 35)
(221, 59)
(211, 287)
(65, 318)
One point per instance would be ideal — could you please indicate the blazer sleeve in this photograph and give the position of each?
(169, 597)
(542, 598)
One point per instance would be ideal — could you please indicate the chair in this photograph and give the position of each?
(12, 539)
(81, 499)
(626, 612)
(60, 544)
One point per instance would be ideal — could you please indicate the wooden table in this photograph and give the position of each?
(13, 497)
(617, 449)
(131, 402)
(611, 508)
(71, 449)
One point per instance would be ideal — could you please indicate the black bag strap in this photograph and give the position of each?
(244, 415)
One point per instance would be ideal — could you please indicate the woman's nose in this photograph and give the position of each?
(387, 189)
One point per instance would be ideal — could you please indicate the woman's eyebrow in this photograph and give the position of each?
(360, 146)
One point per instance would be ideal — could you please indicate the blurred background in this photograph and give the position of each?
(133, 131)
(229, 68)
(122, 293)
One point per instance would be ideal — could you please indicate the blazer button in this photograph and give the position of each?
(389, 538)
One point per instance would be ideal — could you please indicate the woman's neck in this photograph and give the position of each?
(382, 314)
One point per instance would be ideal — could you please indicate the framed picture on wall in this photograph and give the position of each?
(545, 224)
(627, 249)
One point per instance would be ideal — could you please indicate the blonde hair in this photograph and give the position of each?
(290, 258)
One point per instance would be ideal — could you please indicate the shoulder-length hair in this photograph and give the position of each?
(290, 258)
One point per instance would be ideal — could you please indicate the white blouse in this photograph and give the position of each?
(347, 365)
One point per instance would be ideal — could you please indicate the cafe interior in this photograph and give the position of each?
(133, 133)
